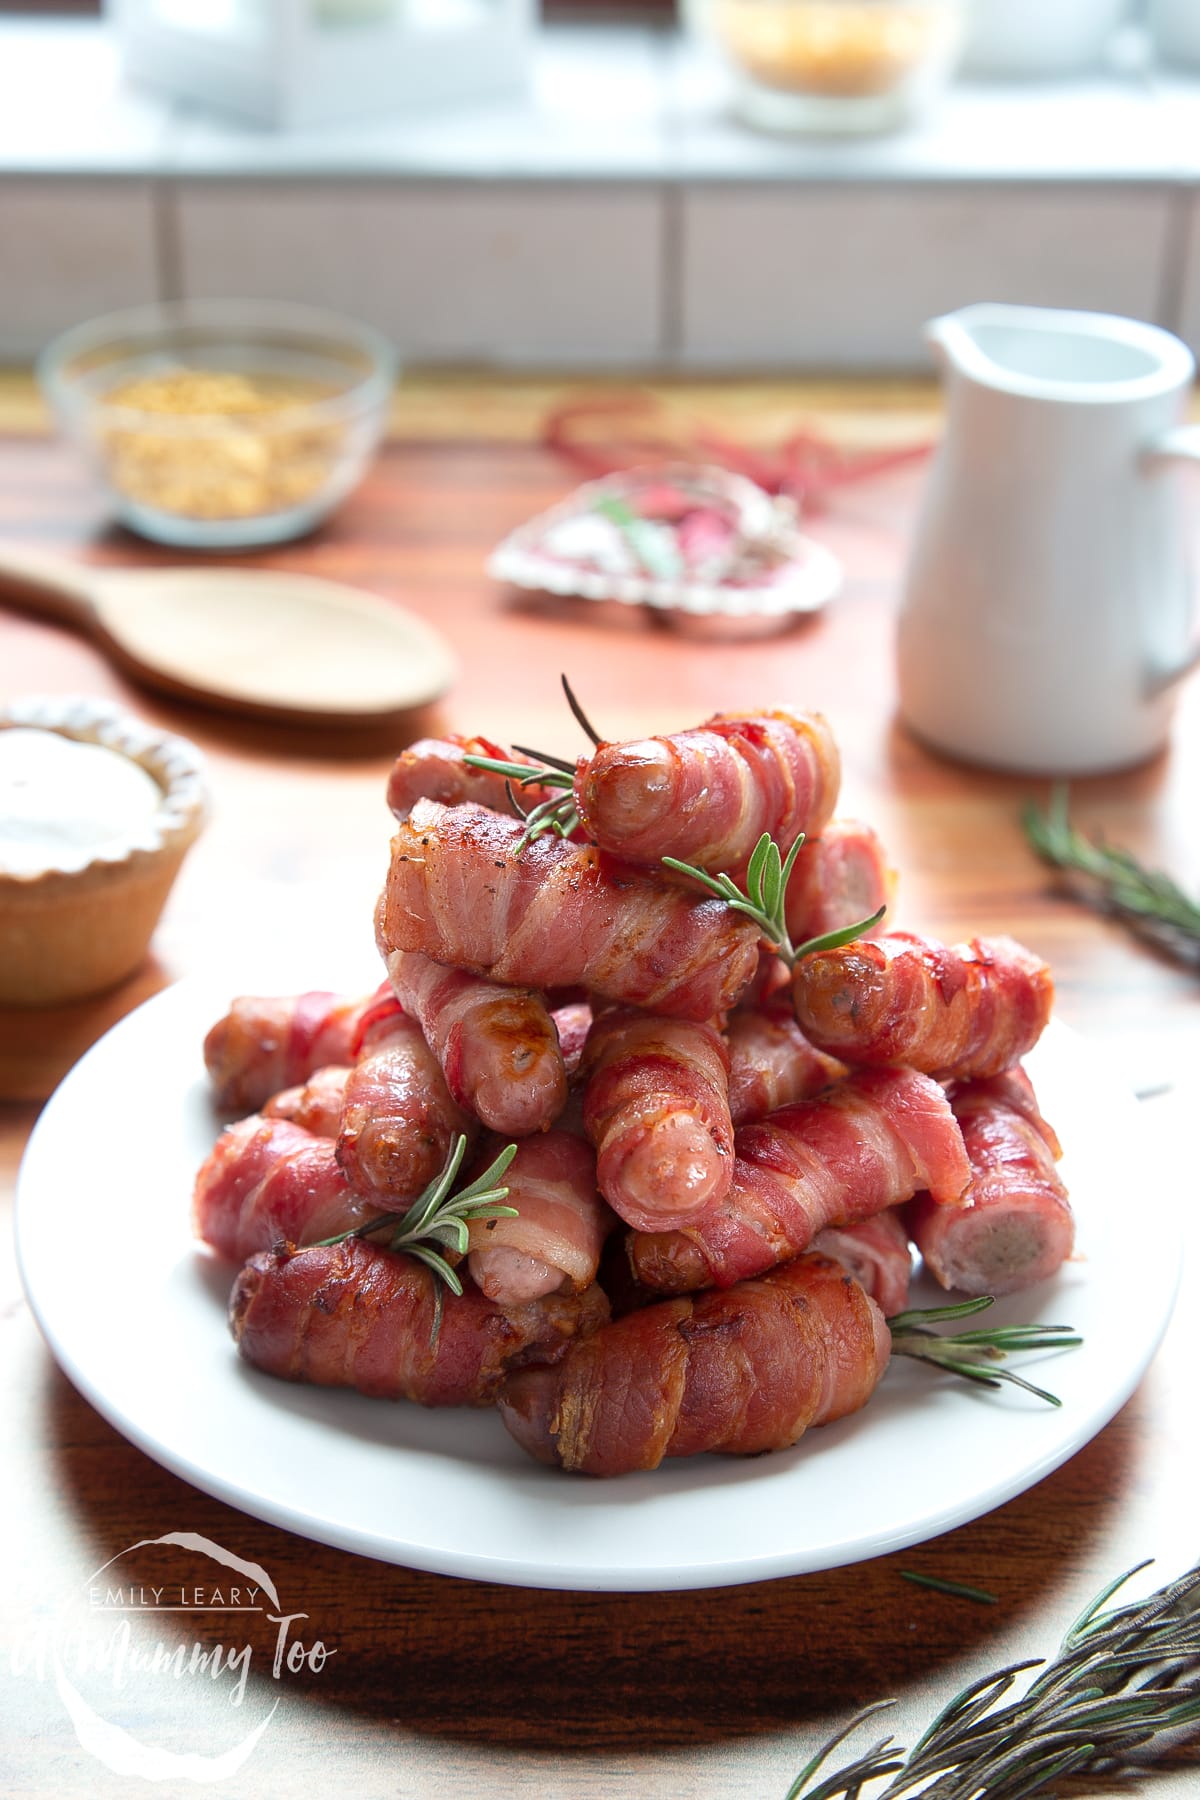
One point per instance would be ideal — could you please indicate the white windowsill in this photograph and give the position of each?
(615, 214)
(614, 104)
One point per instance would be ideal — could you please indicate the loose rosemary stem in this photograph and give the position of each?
(975, 1354)
(1122, 1681)
(1113, 880)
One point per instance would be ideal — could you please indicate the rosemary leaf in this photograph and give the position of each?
(581, 718)
(957, 1588)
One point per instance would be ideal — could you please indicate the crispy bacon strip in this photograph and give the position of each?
(740, 1372)
(706, 796)
(352, 1315)
(1014, 1087)
(268, 1181)
(1013, 1227)
(317, 1104)
(837, 879)
(556, 1239)
(398, 1119)
(264, 1044)
(656, 1108)
(965, 1011)
(867, 1143)
(434, 769)
(876, 1253)
(497, 1046)
(771, 1062)
(572, 1022)
(558, 914)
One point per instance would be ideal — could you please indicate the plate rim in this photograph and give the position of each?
(553, 1571)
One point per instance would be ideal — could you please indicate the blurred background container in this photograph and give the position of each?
(1175, 31)
(837, 65)
(307, 62)
(222, 424)
(1032, 38)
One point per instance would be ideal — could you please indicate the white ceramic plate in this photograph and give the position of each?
(134, 1312)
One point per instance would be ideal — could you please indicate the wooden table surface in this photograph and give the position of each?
(443, 1686)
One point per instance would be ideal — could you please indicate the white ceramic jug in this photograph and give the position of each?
(1047, 611)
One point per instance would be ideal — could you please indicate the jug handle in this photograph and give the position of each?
(1180, 445)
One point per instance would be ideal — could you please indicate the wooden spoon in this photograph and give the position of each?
(293, 648)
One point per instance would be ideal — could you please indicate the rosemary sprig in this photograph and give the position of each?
(438, 1219)
(1121, 1682)
(560, 816)
(974, 1354)
(762, 899)
(1113, 880)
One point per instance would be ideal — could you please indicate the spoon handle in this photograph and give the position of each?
(37, 581)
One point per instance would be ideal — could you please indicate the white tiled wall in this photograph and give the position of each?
(616, 213)
(842, 277)
(498, 273)
(69, 250)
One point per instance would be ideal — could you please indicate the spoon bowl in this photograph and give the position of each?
(269, 644)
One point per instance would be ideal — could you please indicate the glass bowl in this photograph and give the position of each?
(222, 424)
(837, 65)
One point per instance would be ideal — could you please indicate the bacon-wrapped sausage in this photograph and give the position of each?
(352, 1315)
(316, 1104)
(867, 1143)
(1013, 1227)
(268, 1181)
(876, 1253)
(434, 769)
(706, 796)
(771, 1062)
(1015, 1089)
(266, 1043)
(739, 1372)
(497, 1045)
(398, 1119)
(837, 880)
(964, 1011)
(558, 914)
(656, 1108)
(559, 1231)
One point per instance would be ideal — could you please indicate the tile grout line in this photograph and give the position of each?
(1175, 259)
(670, 212)
(164, 213)
(165, 225)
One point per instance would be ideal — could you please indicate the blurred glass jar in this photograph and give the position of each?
(1175, 31)
(837, 65)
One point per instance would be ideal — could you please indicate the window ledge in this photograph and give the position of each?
(613, 104)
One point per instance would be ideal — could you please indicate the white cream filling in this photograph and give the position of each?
(62, 802)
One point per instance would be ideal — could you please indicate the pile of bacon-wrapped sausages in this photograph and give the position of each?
(721, 1162)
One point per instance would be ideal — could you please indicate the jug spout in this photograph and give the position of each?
(1041, 353)
(950, 339)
